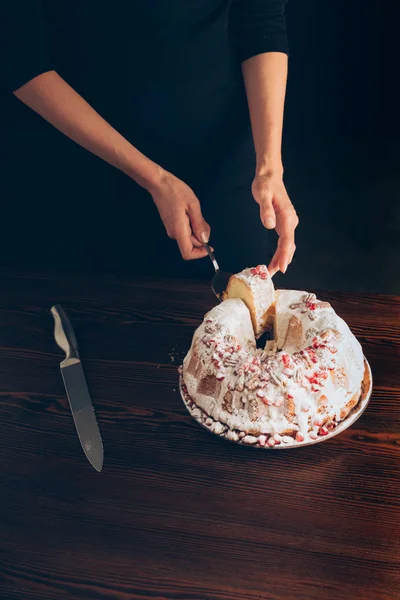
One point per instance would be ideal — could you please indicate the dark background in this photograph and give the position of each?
(342, 144)
(341, 157)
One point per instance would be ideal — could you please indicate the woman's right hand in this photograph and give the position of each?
(180, 212)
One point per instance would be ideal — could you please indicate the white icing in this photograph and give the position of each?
(258, 390)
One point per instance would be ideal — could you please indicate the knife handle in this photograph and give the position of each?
(64, 333)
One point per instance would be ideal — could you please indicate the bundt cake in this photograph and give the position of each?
(301, 385)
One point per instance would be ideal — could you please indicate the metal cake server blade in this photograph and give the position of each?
(77, 390)
(220, 280)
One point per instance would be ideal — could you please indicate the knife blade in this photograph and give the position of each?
(77, 390)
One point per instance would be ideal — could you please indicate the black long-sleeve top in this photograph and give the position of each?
(145, 39)
(166, 73)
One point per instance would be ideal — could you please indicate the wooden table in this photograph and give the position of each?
(177, 512)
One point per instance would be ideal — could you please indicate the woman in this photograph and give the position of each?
(183, 97)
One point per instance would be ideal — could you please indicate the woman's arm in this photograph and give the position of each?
(57, 102)
(51, 97)
(28, 68)
(260, 33)
(265, 80)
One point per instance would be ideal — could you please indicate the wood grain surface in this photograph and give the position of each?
(178, 513)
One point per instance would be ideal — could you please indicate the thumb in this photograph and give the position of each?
(200, 227)
(267, 212)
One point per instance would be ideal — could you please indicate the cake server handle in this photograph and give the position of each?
(212, 257)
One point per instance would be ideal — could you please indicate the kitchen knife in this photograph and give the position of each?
(77, 390)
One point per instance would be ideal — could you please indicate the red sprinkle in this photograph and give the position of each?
(311, 353)
(260, 271)
(323, 431)
(316, 377)
(299, 437)
(316, 344)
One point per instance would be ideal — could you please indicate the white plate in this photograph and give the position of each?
(200, 416)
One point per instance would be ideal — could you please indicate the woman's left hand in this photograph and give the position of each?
(277, 212)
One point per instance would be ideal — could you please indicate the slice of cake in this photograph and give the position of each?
(254, 286)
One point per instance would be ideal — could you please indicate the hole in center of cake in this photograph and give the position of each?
(263, 339)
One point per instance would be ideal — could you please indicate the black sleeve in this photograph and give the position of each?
(258, 26)
(24, 43)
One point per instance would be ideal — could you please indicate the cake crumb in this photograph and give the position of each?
(175, 356)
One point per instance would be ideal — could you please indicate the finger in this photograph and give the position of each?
(195, 242)
(285, 255)
(190, 252)
(273, 266)
(199, 253)
(183, 237)
(200, 227)
(267, 213)
(287, 223)
(291, 258)
(282, 257)
(287, 219)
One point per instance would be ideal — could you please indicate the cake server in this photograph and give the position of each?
(220, 280)
(77, 390)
